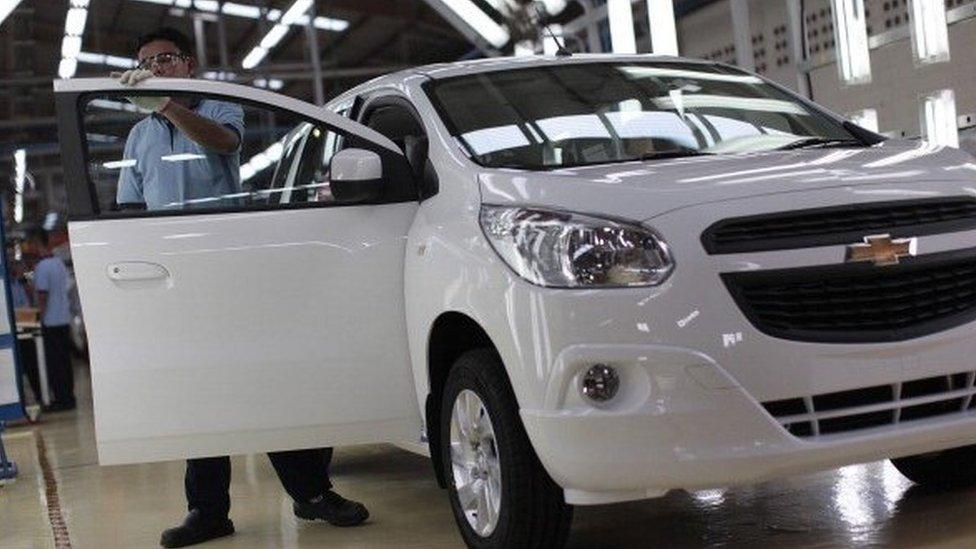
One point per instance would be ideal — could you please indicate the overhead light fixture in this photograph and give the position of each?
(296, 10)
(620, 15)
(664, 35)
(938, 117)
(103, 59)
(67, 67)
(70, 46)
(20, 178)
(930, 31)
(248, 11)
(74, 22)
(74, 29)
(866, 118)
(119, 164)
(254, 57)
(277, 33)
(7, 8)
(474, 17)
(851, 32)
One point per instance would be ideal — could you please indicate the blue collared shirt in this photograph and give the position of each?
(172, 171)
(51, 276)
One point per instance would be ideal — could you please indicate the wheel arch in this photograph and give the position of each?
(451, 335)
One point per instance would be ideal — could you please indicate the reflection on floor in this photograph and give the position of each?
(127, 506)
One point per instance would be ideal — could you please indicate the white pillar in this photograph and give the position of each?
(939, 123)
(795, 11)
(620, 14)
(930, 31)
(851, 32)
(664, 35)
(742, 32)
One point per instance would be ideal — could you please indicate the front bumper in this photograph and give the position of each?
(680, 421)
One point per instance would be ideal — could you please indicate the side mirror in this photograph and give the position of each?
(357, 176)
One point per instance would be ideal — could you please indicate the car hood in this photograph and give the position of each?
(642, 190)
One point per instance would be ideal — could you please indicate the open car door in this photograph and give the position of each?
(240, 301)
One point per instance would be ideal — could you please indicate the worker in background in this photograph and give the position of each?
(20, 293)
(213, 130)
(51, 281)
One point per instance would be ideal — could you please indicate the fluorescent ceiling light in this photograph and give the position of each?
(295, 11)
(274, 36)
(67, 67)
(119, 164)
(930, 31)
(853, 54)
(277, 33)
(114, 105)
(477, 19)
(664, 36)
(102, 59)
(20, 177)
(181, 157)
(74, 22)
(938, 117)
(867, 119)
(6, 8)
(637, 71)
(273, 83)
(70, 46)
(621, 18)
(254, 57)
(241, 10)
(206, 5)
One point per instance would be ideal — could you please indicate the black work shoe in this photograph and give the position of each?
(196, 528)
(333, 508)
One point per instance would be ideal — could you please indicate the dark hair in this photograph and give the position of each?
(39, 235)
(180, 40)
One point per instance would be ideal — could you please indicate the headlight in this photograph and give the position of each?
(569, 250)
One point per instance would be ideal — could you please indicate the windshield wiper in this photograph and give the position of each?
(659, 155)
(821, 142)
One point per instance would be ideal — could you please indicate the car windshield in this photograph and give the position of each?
(550, 117)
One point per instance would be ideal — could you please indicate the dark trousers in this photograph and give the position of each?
(303, 473)
(57, 356)
(27, 353)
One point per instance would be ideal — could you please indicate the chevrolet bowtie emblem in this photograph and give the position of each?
(882, 250)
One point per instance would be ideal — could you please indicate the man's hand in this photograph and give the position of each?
(148, 103)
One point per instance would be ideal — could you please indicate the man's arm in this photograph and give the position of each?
(201, 129)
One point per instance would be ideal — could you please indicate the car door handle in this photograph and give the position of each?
(136, 270)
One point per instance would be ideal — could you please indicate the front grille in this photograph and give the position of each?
(860, 303)
(840, 225)
(831, 413)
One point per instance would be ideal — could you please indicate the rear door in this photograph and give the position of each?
(232, 316)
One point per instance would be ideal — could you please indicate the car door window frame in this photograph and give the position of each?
(72, 97)
(364, 105)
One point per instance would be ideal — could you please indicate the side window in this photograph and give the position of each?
(143, 156)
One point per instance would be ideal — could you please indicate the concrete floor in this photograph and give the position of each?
(127, 506)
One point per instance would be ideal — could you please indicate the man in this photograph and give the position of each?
(26, 351)
(206, 133)
(213, 132)
(51, 287)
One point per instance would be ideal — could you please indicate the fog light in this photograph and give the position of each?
(600, 383)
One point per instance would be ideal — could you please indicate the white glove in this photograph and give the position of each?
(153, 103)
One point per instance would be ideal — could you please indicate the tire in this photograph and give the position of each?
(954, 468)
(532, 512)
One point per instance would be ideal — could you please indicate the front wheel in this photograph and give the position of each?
(500, 493)
(953, 468)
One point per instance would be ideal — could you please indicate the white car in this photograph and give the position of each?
(580, 280)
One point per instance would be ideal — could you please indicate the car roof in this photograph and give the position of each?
(491, 64)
